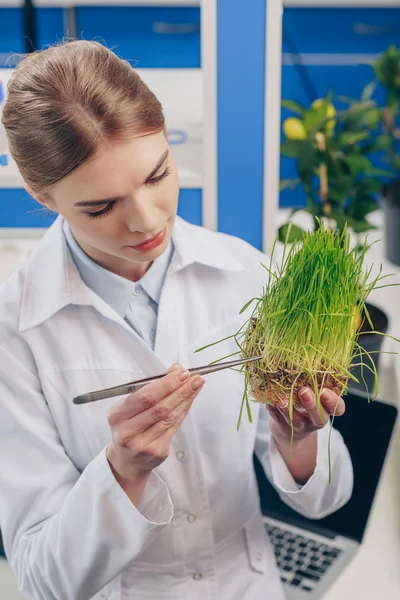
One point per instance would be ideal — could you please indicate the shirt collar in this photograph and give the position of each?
(116, 290)
(52, 280)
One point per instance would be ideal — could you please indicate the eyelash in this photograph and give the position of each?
(110, 205)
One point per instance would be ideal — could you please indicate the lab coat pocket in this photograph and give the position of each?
(258, 545)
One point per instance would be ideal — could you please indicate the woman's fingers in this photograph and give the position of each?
(163, 431)
(144, 423)
(299, 420)
(175, 367)
(317, 414)
(148, 396)
(277, 415)
(334, 404)
(165, 412)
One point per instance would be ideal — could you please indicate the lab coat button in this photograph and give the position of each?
(180, 455)
(197, 576)
(136, 290)
(191, 518)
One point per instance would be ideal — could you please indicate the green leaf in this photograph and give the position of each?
(294, 106)
(307, 159)
(383, 141)
(214, 344)
(358, 163)
(372, 118)
(340, 218)
(338, 196)
(361, 207)
(346, 100)
(246, 306)
(289, 183)
(369, 186)
(380, 142)
(292, 148)
(361, 226)
(352, 137)
(369, 90)
(296, 234)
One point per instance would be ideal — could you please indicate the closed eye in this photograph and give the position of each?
(159, 178)
(103, 211)
(110, 206)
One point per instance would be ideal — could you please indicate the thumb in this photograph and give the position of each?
(175, 367)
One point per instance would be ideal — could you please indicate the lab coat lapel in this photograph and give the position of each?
(60, 285)
(167, 344)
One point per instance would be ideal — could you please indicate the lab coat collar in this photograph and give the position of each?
(53, 281)
(194, 244)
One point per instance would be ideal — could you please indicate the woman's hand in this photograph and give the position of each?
(143, 425)
(307, 419)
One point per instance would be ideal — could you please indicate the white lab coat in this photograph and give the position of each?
(69, 530)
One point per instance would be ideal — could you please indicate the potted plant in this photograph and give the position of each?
(387, 74)
(332, 150)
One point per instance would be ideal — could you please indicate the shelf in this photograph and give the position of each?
(112, 3)
(341, 3)
(11, 3)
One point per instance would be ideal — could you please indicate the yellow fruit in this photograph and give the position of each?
(294, 129)
(330, 109)
(330, 114)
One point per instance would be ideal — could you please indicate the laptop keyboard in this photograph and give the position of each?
(301, 561)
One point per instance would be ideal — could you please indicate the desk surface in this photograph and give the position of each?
(375, 570)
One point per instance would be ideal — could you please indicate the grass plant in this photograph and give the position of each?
(306, 322)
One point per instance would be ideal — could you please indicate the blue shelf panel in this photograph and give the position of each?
(332, 45)
(49, 25)
(19, 210)
(11, 33)
(149, 37)
(341, 30)
(190, 205)
(240, 72)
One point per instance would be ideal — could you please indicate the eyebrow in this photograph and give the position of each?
(159, 164)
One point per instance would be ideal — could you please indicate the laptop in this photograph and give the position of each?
(311, 554)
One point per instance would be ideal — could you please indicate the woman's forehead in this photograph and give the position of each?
(112, 167)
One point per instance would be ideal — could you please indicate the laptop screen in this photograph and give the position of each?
(366, 429)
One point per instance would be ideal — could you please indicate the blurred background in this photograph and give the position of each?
(275, 111)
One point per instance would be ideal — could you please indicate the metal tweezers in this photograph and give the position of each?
(133, 386)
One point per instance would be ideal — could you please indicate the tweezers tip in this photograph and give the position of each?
(82, 399)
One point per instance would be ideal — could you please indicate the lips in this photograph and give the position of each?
(152, 243)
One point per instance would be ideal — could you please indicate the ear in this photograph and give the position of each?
(41, 199)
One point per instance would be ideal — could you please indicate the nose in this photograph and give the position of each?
(141, 215)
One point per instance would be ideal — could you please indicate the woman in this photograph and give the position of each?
(154, 495)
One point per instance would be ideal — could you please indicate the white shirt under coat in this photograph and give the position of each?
(69, 530)
(136, 302)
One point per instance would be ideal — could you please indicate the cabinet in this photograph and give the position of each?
(11, 30)
(147, 36)
(331, 45)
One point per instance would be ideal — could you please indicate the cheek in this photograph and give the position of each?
(101, 232)
(168, 198)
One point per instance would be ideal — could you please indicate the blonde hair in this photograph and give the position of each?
(65, 101)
